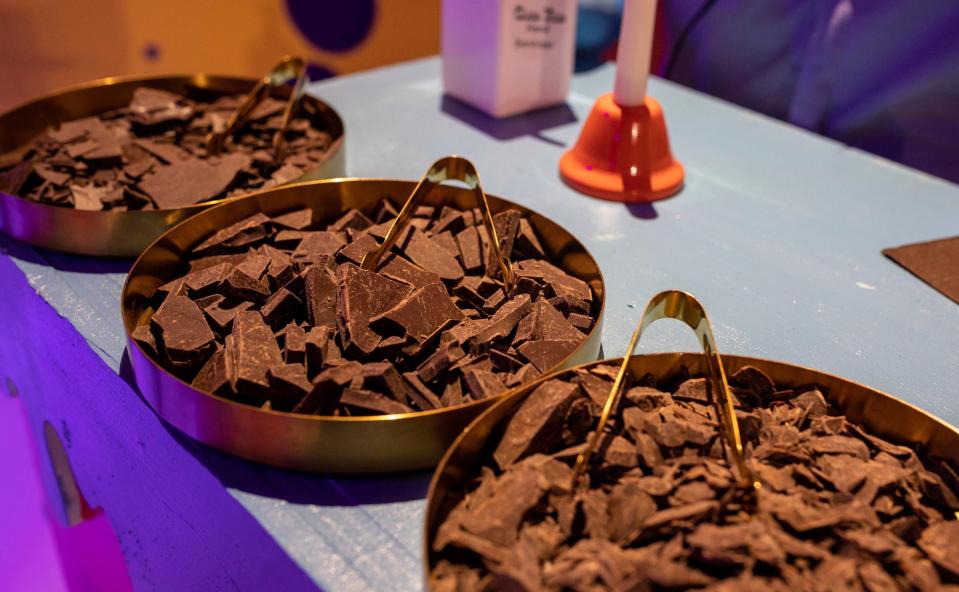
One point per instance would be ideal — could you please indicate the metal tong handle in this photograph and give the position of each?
(684, 307)
(447, 168)
(289, 68)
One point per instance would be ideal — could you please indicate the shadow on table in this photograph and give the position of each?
(509, 128)
(63, 261)
(643, 211)
(293, 486)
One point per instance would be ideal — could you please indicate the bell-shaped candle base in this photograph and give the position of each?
(623, 154)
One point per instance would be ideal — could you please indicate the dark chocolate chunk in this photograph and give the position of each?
(288, 385)
(548, 353)
(296, 220)
(191, 181)
(280, 308)
(216, 375)
(143, 335)
(561, 283)
(186, 337)
(320, 297)
(482, 384)
(255, 351)
(361, 296)
(294, 344)
(432, 257)
(536, 424)
(424, 313)
(371, 402)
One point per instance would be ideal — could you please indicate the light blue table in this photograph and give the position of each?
(777, 231)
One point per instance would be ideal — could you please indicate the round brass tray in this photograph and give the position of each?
(116, 233)
(367, 444)
(881, 413)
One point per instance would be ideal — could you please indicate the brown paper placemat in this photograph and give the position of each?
(934, 262)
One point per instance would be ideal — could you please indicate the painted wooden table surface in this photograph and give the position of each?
(777, 231)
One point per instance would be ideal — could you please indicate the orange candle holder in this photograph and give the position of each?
(623, 154)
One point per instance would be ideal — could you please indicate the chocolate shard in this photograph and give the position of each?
(397, 268)
(371, 402)
(527, 243)
(507, 225)
(280, 308)
(320, 297)
(255, 352)
(424, 313)
(560, 283)
(242, 233)
(382, 377)
(240, 286)
(294, 344)
(354, 219)
(535, 426)
(254, 265)
(502, 323)
(317, 245)
(357, 249)
(550, 324)
(432, 257)
(288, 385)
(205, 280)
(547, 354)
(143, 335)
(320, 349)
(439, 362)
(166, 152)
(470, 248)
(215, 375)
(361, 296)
(421, 396)
(941, 543)
(482, 384)
(192, 181)
(295, 220)
(184, 333)
(222, 318)
(152, 106)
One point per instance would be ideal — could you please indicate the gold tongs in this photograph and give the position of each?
(448, 168)
(289, 68)
(681, 306)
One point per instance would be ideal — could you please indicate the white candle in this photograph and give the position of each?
(634, 52)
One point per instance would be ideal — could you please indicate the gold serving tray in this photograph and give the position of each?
(368, 444)
(881, 413)
(115, 233)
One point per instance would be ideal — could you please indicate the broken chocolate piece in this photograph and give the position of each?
(183, 331)
(424, 313)
(361, 296)
(255, 351)
(536, 424)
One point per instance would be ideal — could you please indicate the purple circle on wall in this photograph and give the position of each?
(333, 25)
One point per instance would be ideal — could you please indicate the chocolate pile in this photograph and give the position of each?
(152, 154)
(277, 312)
(839, 509)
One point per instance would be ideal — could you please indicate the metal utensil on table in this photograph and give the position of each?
(125, 233)
(359, 444)
(288, 69)
(445, 169)
(680, 306)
